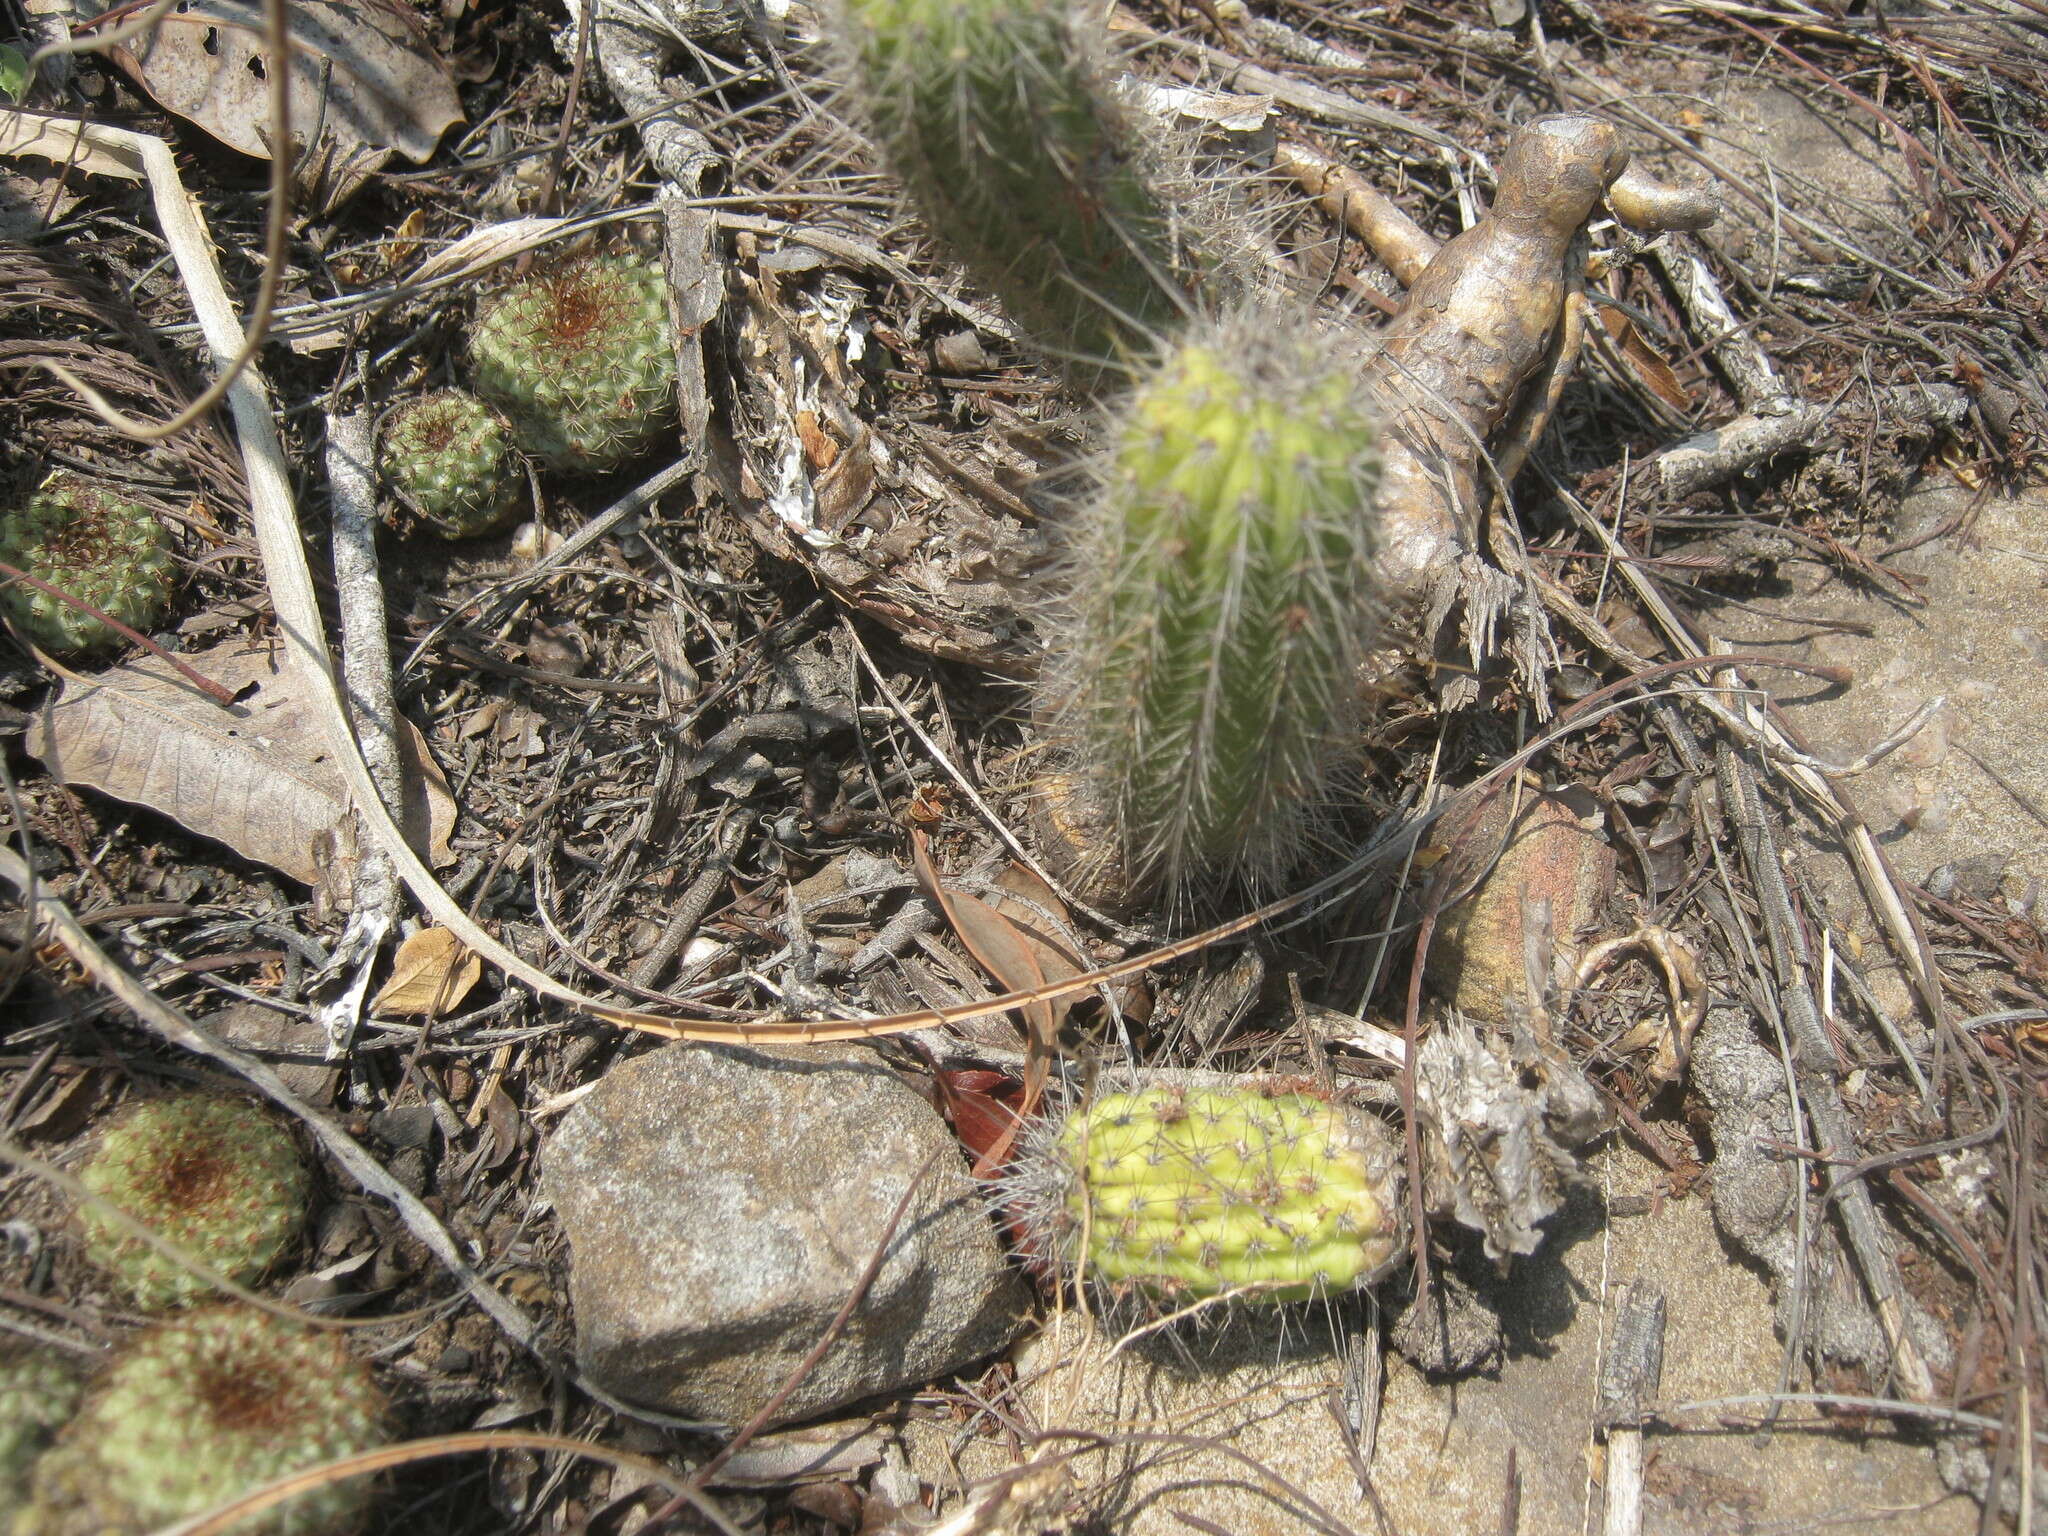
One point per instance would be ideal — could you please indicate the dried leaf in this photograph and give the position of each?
(431, 975)
(364, 77)
(992, 939)
(1019, 962)
(254, 775)
(1647, 362)
(73, 144)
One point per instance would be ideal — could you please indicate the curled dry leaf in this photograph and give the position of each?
(365, 81)
(255, 775)
(72, 144)
(431, 975)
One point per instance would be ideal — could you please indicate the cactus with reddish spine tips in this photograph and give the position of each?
(579, 358)
(1182, 1192)
(201, 1410)
(450, 458)
(216, 1176)
(1221, 599)
(93, 544)
(996, 116)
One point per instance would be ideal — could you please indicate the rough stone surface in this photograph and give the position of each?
(1550, 849)
(721, 1203)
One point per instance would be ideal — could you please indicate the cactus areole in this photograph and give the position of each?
(1188, 1193)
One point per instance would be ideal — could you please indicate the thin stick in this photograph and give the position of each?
(205, 685)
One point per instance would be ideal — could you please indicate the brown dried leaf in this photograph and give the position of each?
(1647, 362)
(431, 975)
(255, 775)
(364, 77)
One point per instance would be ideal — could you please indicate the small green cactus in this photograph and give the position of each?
(1183, 1193)
(1222, 597)
(450, 458)
(579, 358)
(95, 545)
(38, 1390)
(995, 116)
(201, 1410)
(214, 1175)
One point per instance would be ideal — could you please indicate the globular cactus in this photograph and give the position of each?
(1221, 598)
(579, 358)
(38, 1391)
(214, 1175)
(201, 1410)
(450, 458)
(85, 540)
(996, 116)
(1183, 1192)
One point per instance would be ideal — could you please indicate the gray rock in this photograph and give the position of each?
(721, 1203)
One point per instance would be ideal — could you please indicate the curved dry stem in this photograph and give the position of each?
(277, 38)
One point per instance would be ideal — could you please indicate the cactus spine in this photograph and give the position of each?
(1183, 1193)
(992, 114)
(578, 357)
(95, 545)
(200, 1411)
(214, 1175)
(450, 458)
(1222, 596)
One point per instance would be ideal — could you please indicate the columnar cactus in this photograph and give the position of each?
(994, 115)
(450, 458)
(201, 1410)
(38, 1390)
(214, 1175)
(578, 356)
(1222, 596)
(1183, 1193)
(85, 540)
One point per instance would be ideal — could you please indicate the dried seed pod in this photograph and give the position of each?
(85, 540)
(1187, 1192)
(1221, 596)
(200, 1410)
(580, 360)
(450, 458)
(214, 1175)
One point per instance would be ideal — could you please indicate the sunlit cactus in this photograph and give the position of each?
(1221, 596)
(1182, 1193)
(204, 1409)
(997, 117)
(450, 458)
(579, 358)
(95, 544)
(216, 1176)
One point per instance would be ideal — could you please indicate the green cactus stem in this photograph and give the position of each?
(1221, 599)
(996, 117)
(450, 458)
(200, 1411)
(38, 1390)
(1182, 1193)
(579, 359)
(214, 1175)
(95, 545)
